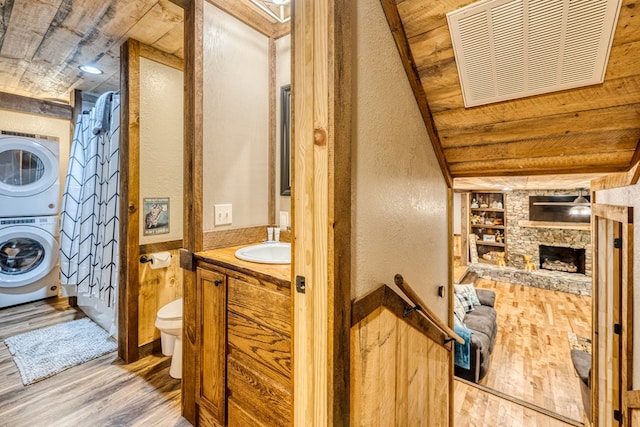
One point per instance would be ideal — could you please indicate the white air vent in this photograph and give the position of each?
(507, 49)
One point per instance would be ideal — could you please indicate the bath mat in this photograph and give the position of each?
(577, 342)
(42, 353)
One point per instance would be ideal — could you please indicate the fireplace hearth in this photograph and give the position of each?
(557, 258)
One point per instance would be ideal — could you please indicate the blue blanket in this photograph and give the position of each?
(462, 352)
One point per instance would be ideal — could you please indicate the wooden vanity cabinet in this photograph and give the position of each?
(254, 328)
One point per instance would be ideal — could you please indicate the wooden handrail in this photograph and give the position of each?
(390, 299)
(422, 308)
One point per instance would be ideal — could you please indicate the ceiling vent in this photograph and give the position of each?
(507, 49)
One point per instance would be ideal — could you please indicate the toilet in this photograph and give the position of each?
(169, 322)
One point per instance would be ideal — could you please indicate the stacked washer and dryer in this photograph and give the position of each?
(29, 207)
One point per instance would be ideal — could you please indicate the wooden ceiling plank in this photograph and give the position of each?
(617, 180)
(24, 104)
(69, 28)
(247, 14)
(608, 94)
(433, 55)
(628, 23)
(419, 16)
(27, 27)
(592, 163)
(146, 29)
(603, 119)
(584, 144)
(107, 33)
(172, 42)
(432, 47)
(442, 85)
(11, 71)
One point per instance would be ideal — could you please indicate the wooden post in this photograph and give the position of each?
(321, 206)
(129, 196)
(193, 231)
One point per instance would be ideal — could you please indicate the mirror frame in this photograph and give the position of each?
(285, 140)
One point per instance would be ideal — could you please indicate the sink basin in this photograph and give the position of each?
(266, 253)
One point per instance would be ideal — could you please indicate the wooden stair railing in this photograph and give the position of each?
(422, 308)
(419, 315)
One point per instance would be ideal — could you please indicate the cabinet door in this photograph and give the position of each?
(259, 352)
(212, 358)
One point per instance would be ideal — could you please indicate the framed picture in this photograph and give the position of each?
(488, 238)
(156, 215)
(285, 140)
(473, 249)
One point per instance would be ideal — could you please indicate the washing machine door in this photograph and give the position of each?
(27, 254)
(27, 167)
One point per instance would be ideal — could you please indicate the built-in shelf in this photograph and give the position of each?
(487, 209)
(494, 248)
(482, 242)
(583, 226)
(497, 227)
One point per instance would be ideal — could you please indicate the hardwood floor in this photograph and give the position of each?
(101, 392)
(531, 359)
(474, 407)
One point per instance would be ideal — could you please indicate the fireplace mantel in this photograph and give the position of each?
(557, 225)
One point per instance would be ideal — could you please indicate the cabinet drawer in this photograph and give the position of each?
(265, 303)
(259, 394)
(264, 345)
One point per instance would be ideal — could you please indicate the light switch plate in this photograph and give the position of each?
(223, 215)
(284, 220)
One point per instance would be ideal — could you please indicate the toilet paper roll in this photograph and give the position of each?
(160, 260)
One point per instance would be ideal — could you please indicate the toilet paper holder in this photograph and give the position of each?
(157, 260)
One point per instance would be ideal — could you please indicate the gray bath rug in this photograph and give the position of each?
(45, 352)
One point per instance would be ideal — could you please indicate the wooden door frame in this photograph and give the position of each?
(129, 211)
(624, 216)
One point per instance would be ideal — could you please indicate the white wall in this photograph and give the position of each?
(41, 125)
(399, 221)
(161, 143)
(283, 77)
(236, 120)
(630, 196)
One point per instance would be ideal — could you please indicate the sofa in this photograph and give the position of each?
(582, 364)
(481, 321)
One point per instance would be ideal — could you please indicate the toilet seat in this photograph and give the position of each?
(171, 311)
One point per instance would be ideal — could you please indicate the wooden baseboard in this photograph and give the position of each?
(154, 347)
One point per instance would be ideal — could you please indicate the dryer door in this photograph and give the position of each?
(27, 254)
(26, 167)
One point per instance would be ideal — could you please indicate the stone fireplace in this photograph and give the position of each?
(524, 236)
(559, 258)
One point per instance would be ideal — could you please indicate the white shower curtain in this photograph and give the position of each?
(89, 218)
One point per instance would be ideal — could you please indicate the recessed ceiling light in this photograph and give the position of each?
(90, 69)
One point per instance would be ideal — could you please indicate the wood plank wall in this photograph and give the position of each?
(632, 405)
(399, 376)
(157, 288)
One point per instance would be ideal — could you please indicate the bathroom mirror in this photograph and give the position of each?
(285, 140)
